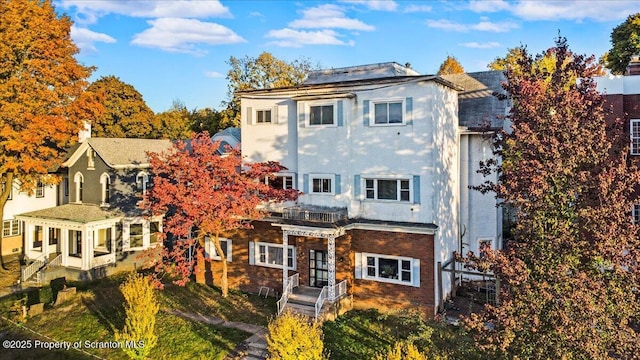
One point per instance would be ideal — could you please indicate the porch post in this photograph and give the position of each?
(64, 245)
(45, 241)
(285, 259)
(331, 258)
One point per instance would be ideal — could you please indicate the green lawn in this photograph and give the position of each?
(97, 311)
(363, 334)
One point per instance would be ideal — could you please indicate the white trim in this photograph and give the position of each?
(78, 179)
(480, 240)
(400, 259)
(142, 178)
(255, 116)
(307, 113)
(210, 248)
(10, 227)
(331, 177)
(284, 175)
(272, 264)
(105, 182)
(397, 178)
(372, 111)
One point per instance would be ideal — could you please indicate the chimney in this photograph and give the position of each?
(84, 133)
(634, 65)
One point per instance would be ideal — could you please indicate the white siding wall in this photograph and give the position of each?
(22, 203)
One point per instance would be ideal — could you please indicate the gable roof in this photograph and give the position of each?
(77, 213)
(478, 107)
(120, 153)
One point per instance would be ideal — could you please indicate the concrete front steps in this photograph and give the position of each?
(303, 301)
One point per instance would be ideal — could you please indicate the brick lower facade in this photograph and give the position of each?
(366, 293)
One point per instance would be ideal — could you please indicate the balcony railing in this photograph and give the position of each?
(315, 214)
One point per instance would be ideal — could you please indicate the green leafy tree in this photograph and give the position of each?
(206, 119)
(141, 308)
(262, 72)
(569, 275)
(451, 65)
(625, 42)
(291, 337)
(174, 123)
(42, 97)
(509, 60)
(125, 115)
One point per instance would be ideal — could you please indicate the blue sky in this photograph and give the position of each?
(177, 49)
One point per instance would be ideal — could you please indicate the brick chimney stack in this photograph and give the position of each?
(634, 65)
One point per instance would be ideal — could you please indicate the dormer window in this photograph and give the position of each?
(105, 182)
(91, 159)
(141, 182)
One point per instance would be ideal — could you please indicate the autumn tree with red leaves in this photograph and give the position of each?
(42, 97)
(201, 191)
(570, 276)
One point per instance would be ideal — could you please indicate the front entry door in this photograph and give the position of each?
(318, 268)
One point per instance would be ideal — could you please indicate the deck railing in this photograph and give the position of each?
(32, 268)
(292, 282)
(325, 215)
(339, 290)
(57, 261)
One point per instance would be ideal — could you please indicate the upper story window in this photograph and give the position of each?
(388, 113)
(321, 115)
(11, 228)
(388, 189)
(281, 181)
(105, 182)
(65, 186)
(635, 136)
(91, 159)
(636, 213)
(322, 184)
(79, 181)
(263, 116)
(142, 180)
(484, 244)
(40, 190)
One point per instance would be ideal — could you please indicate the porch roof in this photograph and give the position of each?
(78, 213)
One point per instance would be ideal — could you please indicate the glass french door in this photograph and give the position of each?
(318, 268)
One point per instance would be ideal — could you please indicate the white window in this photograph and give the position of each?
(322, 184)
(321, 115)
(79, 180)
(11, 228)
(40, 190)
(263, 116)
(388, 113)
(211, 252)
(280, 181)
(65, 185)
(105, 182)
(91, 159)
(635, 136)
(271, 255)
(102, 240)
(636, 213)
(141, 182)
(388, 268)
(388, 189)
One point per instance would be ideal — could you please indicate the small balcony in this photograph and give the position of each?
(315, 214)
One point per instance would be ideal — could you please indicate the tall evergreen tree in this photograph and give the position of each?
(570, 275)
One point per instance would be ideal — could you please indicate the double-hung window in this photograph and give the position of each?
(263, 116)
(212, 252)
(636, 213)
(389, 268)
(272, 255)
(321, 185)
(635, 136)
(388, 113)
(11, 228)
(321, 115)
(281, 181)
(388, 189)
(40, 190)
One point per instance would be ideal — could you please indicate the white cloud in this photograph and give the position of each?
(182, 35)
(484, 25)
(296, 38)
(575, 10)
(328, 16)
(90, 11)
(213, 74)
(488, 5)
(381, 5)
(417, 8)
(85, 39)
(476, 45)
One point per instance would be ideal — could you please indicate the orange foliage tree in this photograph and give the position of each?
(200, 191)
(42, 98)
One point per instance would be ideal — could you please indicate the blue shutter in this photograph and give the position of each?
(340, 116)
(295, 181)
(356, 186)
(305, 183)
(249, 114)
(409, 110)
(415, 276)
(365, 112)
(252, 253)
(416, 189)
(337, 186)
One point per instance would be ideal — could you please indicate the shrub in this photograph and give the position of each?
(291, 337)
(141, 307)
(402, 351)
